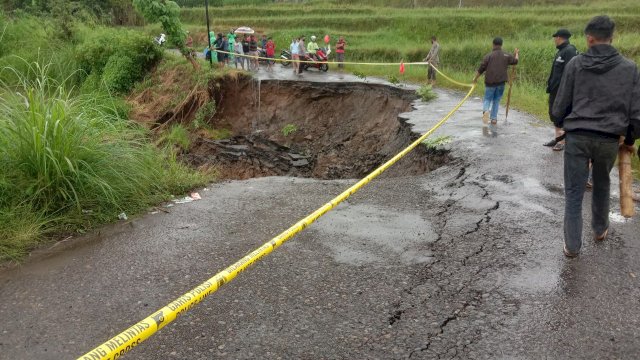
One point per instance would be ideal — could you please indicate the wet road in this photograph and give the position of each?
(463, 262)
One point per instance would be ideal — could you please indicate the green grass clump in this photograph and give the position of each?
(70, 161)
(177, 137)
(426, 93)
(289, 129)
(436, 142)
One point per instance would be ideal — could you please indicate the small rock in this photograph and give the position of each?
(299, 163)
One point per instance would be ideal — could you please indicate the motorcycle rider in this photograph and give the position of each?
(312, 47)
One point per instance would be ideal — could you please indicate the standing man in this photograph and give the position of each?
(599, 101)
(294, 48)
(433, 58)
(566, 52)
(253, 52)
(302, 49)
(495, 64)
(270, 49)
(340, 45)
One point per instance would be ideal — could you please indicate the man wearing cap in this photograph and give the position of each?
(566, 52)
(598, 101)
(495, 64)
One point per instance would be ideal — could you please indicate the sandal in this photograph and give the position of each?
(558, 147)
(550, 143)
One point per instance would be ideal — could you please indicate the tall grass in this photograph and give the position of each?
(70, 161)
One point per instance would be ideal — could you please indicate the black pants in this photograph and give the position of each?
(557, 122)
(581, 149)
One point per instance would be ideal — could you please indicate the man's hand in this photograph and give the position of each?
(630, 148)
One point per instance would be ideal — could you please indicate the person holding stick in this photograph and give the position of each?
(599, 102)
(433, 58)
(495, 64)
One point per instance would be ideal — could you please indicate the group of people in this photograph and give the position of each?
(231, 49)
(594, 103)
(301, 51)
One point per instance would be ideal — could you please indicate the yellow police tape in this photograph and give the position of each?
(348, 63)
(320, 62)
(134, 335)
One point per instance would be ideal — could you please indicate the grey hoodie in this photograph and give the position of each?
(600, 93)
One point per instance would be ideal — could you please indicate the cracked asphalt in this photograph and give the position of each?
(462, 262)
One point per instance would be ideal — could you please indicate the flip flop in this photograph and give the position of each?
(550, 143)
(558, 147)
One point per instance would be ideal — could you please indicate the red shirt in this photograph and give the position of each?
(340, 46)
(271, 48)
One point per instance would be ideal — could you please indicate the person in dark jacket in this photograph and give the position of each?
(599, 101)
(566, 52)
(495, 64)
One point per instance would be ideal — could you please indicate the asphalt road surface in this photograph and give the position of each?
(462, 262)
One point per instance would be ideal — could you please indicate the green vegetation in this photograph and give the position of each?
(71, 159)
(426, 93)
(117, 58)
(393, 79)
(388, 31)
(436, 142)
(177, 136)
(289, 129)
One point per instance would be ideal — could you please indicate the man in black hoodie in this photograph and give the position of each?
(566, 52)
(599, 101)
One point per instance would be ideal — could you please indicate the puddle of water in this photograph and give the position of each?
(364, 234)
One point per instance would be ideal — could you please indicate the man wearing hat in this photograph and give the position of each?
(566, 52)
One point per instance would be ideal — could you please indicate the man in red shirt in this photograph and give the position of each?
(340, 51)
(270, 49)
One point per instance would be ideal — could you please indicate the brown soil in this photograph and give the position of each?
(171, 97)
(345, 129)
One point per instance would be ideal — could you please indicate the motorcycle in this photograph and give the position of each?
(319, 60)
(286, 57)
(160, 40)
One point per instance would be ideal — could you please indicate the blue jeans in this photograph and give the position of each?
(492, 96)
(577, 152)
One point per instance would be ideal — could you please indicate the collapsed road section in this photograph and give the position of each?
(309, 129)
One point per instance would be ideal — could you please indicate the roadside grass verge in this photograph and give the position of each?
(70, 162)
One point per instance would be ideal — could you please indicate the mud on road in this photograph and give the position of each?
(464, 261)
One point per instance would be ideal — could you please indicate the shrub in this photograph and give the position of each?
(111, 47)
(426, 93)
(120, 73)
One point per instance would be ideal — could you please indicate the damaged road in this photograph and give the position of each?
(464, 261)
